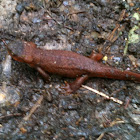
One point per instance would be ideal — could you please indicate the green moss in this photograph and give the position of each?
(136, 16)
(133, 37)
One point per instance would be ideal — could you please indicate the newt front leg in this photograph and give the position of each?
(44, 74)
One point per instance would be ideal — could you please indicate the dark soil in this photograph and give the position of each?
(80, 26)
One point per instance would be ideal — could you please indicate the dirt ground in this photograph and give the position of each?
(33, 109)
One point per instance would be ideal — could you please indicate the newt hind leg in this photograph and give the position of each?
(96, 56)
(72, 87)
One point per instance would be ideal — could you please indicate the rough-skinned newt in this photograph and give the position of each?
(66, 63)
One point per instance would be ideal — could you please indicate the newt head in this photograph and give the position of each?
(15, 49)
(21, 50)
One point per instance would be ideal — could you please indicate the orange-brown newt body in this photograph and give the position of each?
(66, 63)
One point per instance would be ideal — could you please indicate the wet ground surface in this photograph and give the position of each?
(31, 108)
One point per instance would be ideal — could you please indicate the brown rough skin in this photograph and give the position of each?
(66, 63)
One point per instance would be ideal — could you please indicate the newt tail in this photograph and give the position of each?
(113, 73)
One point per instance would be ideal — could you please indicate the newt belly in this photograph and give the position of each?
(66, 63)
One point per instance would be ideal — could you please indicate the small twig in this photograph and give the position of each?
(115, 33)
(117, 29)
(27, 117)
(118, 90)
(37, 104)
(10, 115)
(123, 12)
(4, 42)
(52, 17)
(101, 136)
(111, 35)
(102, 94)
(127, 102)
(118, 32)
(111, 125)
(69, 28)
(78, 12)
